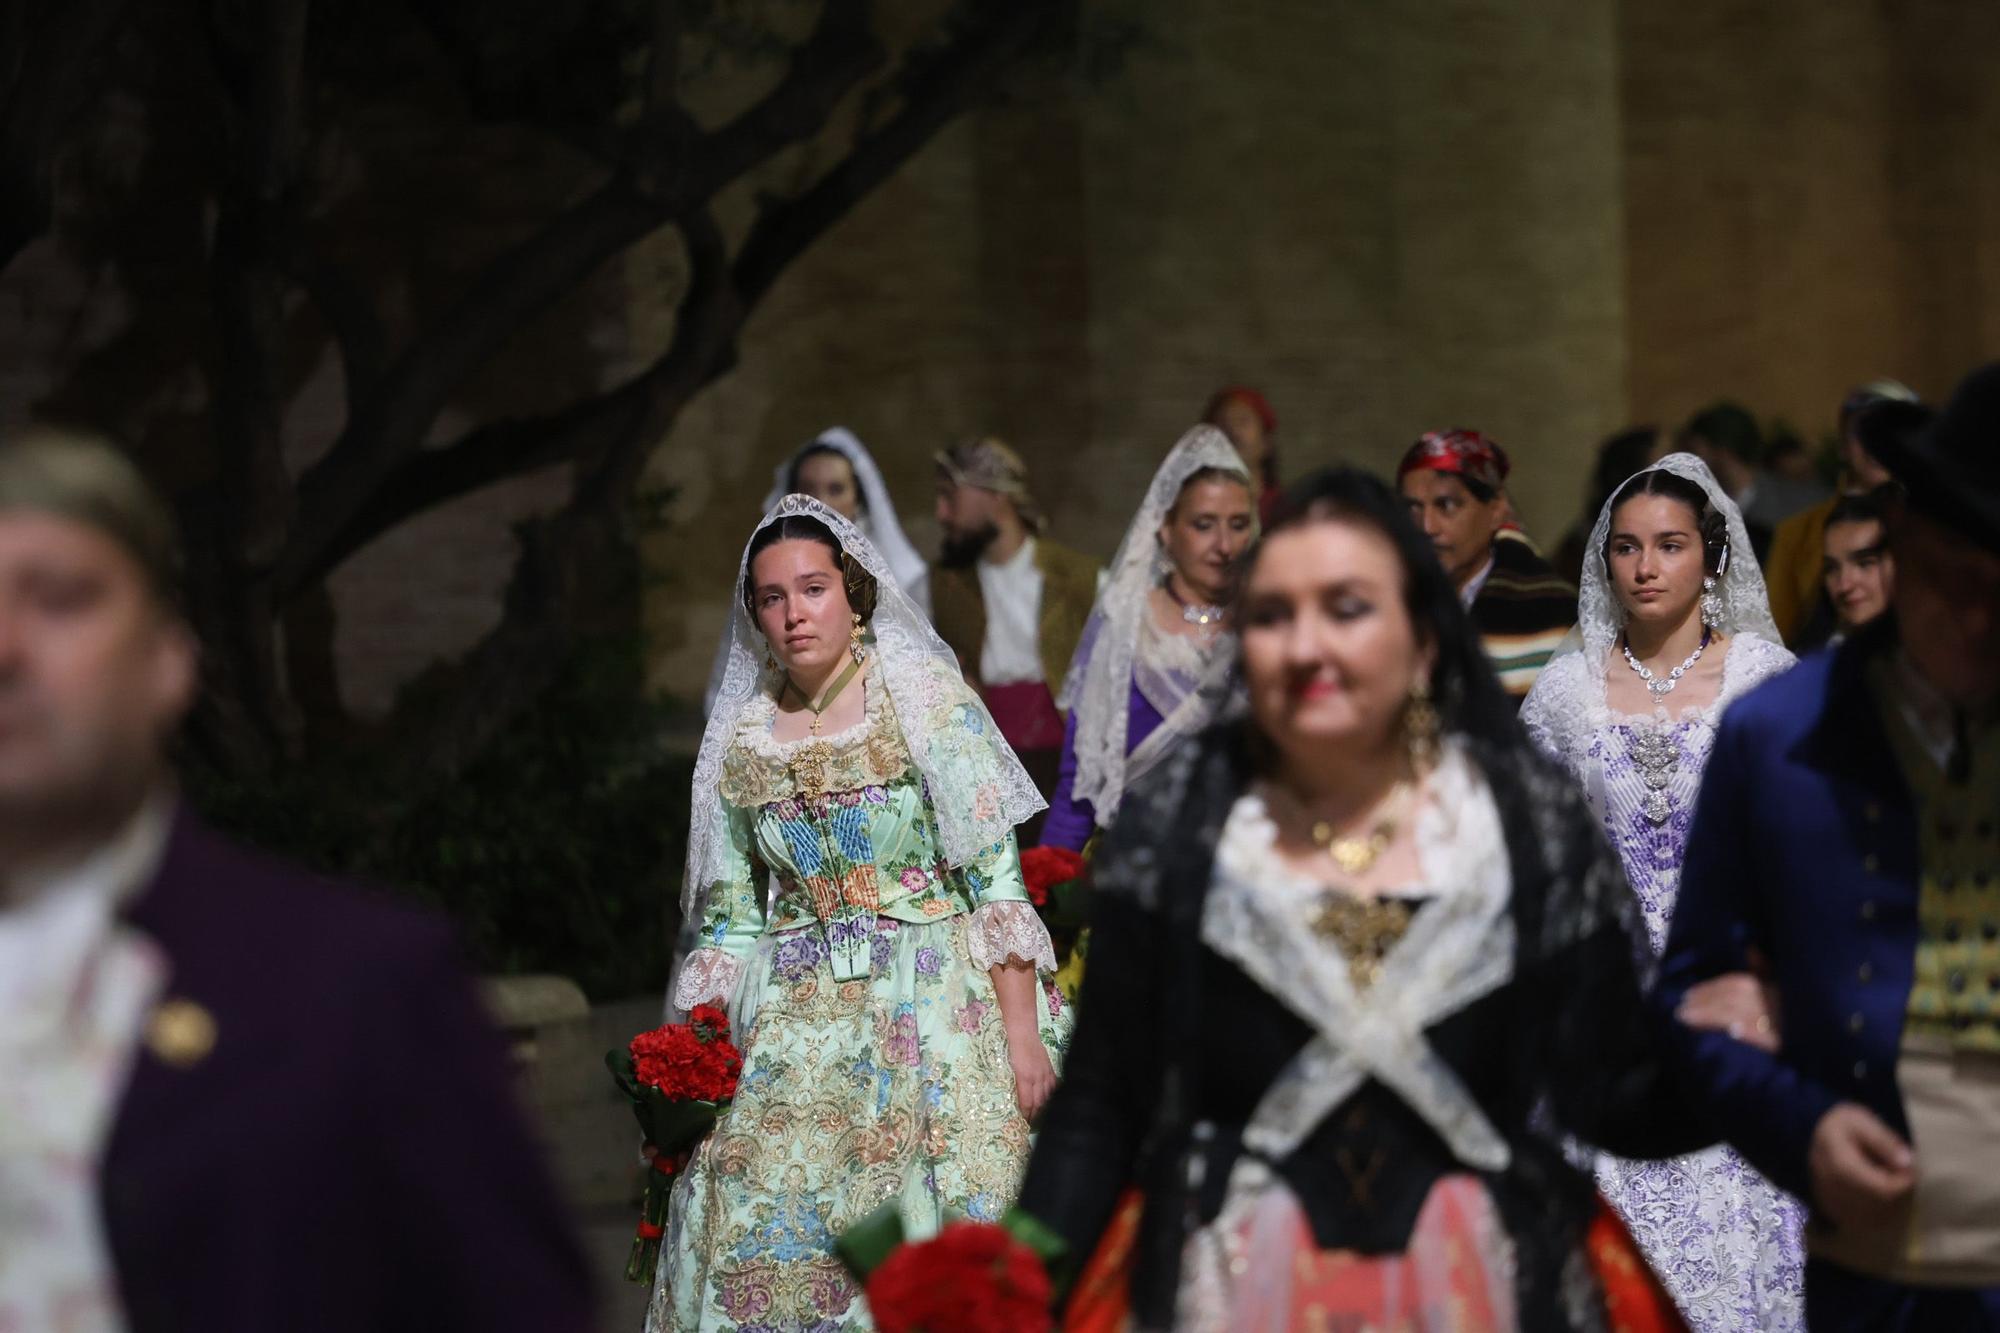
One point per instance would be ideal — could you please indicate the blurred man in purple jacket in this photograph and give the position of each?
(232, 1097)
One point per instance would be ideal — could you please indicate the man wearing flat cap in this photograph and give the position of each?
(1010, 602)
(1848, 830)
(233, 1098)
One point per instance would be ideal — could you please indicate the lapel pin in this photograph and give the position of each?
(181, 1033)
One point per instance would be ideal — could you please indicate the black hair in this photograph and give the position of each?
(1617, 459)
(1729, 427)
(816, 450)
(860, 584)
(1884, 427)
(1863, 507)
(1710, 522)
(1464, 689)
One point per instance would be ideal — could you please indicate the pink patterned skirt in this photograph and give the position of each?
(1456, 1276)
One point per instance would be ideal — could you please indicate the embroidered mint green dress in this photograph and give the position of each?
(875, 1063)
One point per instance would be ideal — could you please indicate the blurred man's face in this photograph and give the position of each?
(1948, 607)
(1859, 572)
(94, 672)
(1245, 429)
(1461, 526)
(967, 518)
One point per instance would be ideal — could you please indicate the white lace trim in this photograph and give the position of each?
(709, 976)
(1567, 705)
(1097, 690)
(753, 730)
(1010, 931)
(1459, 947)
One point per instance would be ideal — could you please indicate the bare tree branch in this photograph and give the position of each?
(572, 550)
(249, 291)
(938, 87)
(945, 82)
(49, 58)
(391, 425)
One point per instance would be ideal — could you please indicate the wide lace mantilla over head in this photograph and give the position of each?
(758, 770)
(1177, 681)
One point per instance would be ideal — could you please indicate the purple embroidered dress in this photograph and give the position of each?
(1135, 690)
(1726, 1243)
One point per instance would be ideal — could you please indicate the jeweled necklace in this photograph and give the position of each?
(1194, 613)
(1661, 688)
(1655, 755)
(1356, 853)
(812, 766)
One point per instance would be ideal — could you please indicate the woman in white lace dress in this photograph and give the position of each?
(1673, 625)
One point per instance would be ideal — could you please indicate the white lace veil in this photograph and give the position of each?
(1746, 608)
(977, 789)
(881, 526)
(878, 524)
(1097, 690)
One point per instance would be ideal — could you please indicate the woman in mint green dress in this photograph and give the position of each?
(894, 1005)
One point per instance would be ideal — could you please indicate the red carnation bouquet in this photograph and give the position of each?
(972, 1277)
(1053, 874)
(1060, 890)
(680, 1078)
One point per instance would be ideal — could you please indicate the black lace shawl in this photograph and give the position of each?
(1585, 1050)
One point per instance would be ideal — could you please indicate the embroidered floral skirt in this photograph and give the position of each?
(1728, 1244)
(853, 1093)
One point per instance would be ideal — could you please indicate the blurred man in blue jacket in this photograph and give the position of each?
(1849, 831)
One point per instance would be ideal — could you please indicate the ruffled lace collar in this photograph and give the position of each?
(758, 768)
(1460, 947)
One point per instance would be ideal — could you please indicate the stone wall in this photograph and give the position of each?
(1812, 200)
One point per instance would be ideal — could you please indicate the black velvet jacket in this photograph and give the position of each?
(1175, 1047)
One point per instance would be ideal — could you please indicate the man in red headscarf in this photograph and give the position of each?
(1455, 482)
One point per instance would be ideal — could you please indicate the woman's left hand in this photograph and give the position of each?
(1034, 1075)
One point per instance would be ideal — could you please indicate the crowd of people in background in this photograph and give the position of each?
(1361, 773)
(1481, 940)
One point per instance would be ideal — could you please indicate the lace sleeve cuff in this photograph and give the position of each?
(1010, 931)
(709, 976)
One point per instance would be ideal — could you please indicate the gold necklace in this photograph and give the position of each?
(812, 766)
(1357, 852)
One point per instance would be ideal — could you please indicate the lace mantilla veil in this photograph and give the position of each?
(879, 525)
(977, 788)
(1097, 690)
(1746, 607)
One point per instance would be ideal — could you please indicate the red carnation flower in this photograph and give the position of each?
(972, 1277)
(1043, 868)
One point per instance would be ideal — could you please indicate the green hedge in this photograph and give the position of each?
(559, 850)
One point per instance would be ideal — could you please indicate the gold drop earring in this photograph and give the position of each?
(854, 639)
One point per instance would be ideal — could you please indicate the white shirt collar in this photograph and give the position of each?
(1470, 591)
(62, 913)
(1015, 564)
